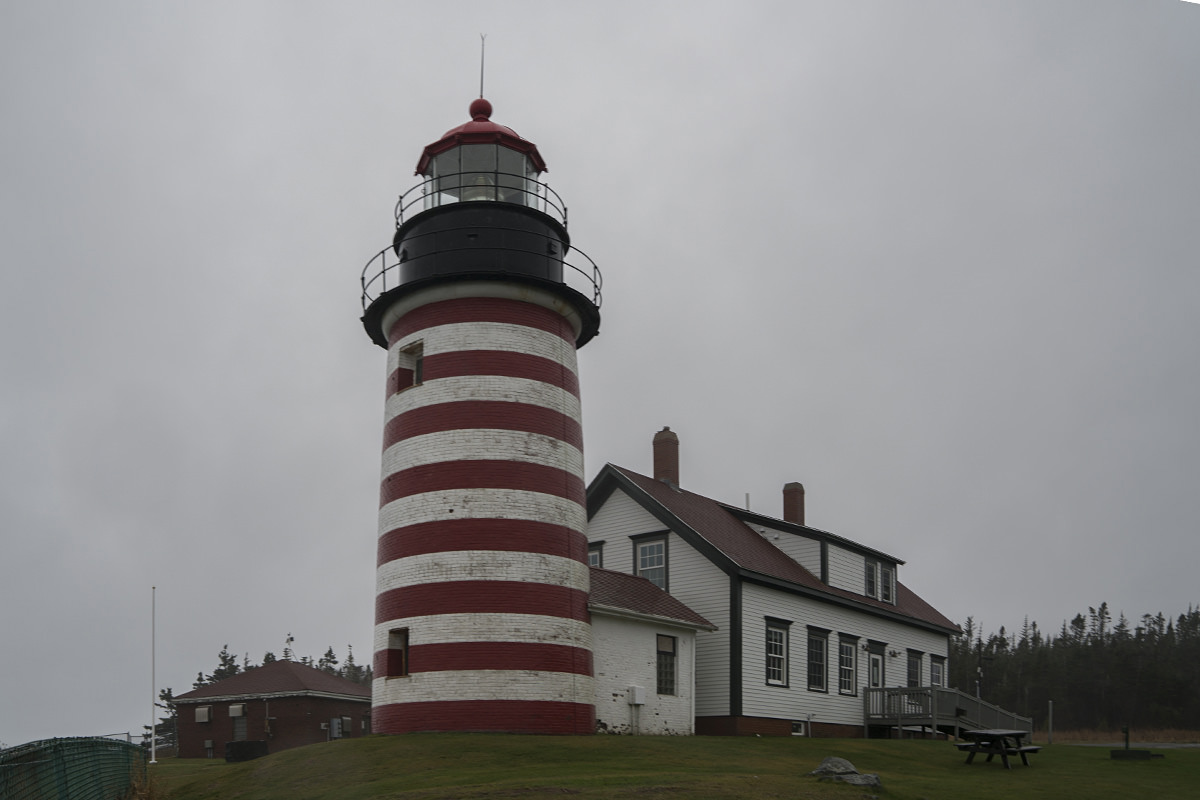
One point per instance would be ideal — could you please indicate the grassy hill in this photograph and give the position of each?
(482, 765)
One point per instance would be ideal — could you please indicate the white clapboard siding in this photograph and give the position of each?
(619, 518)
(846, 569)
(802, 549)
(703, 587)
(796, 701)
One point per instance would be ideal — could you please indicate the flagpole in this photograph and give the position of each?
(153, 681)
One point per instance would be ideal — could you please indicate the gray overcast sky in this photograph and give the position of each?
(936, 260)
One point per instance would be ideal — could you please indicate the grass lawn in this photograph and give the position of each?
(482, 765)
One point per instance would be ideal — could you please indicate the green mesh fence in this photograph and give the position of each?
(84, 768)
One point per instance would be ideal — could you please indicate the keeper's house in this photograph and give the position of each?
(807, 623)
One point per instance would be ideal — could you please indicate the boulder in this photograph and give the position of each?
(842, 771)
(834, 766)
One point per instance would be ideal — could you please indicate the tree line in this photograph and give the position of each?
(229, 665)
(1100, 675)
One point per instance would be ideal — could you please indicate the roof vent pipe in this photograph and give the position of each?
(793, 502)
(666, 457)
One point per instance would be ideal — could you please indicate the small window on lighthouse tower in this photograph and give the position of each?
(397, 653)
(410, 367)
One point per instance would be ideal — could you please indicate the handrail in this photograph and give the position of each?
(936, 705)
(384, 274)
(430, 193)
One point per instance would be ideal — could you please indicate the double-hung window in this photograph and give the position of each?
(777, 652)
(879, 581)
(650, 560)
(937, 671)
(914, 667)
(818, 659)
(887, 584)
(847, 664)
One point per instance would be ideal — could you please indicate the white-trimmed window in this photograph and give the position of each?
(887, 583)
(203, 713)
(410, 367)
(596, 555)
(847, 665)
(777, 652)
(397, 653)
(879, 581)
(650, 561)
(937, 671)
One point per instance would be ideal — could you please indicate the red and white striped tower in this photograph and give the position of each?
(481, 618)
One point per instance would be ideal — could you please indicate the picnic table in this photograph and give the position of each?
(996, 742)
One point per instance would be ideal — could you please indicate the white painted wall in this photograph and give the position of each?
(692, 578)
(613, 523)
(703, 587)
(625, 655)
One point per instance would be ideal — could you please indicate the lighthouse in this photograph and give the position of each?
(481, 616)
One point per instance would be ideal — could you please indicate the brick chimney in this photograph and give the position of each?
(666, 457)
(793, 502)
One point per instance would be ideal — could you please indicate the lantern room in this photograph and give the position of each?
(481, 161)
(480, 213)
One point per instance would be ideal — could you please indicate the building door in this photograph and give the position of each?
(876, 670)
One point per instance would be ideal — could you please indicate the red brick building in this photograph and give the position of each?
(285, 704)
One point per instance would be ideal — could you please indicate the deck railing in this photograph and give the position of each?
(948, 710)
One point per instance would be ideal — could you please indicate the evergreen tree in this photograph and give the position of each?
(1099, 675)
(351, 671)
(165, 730)
(226, 668)
(328, 662)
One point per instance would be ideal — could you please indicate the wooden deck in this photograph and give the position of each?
(935, 708)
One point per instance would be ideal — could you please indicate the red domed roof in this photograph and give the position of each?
(481, 130)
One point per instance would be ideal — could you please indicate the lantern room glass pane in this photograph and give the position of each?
(514, 185)
(444, 169)
(478, 171)
(473, 172)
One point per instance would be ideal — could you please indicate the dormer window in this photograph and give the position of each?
(887, 584)
(880, 581)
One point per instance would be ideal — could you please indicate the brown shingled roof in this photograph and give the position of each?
(279, 678)
(636, 594)
(744, 549)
